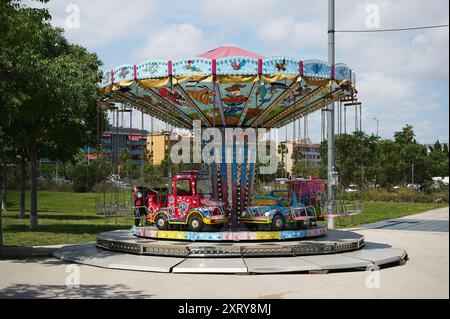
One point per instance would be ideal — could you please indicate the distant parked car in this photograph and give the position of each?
(114, 178)
(61, 180)
(439, 181)
(352, 188)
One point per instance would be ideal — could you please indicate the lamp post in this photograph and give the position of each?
(330, 120)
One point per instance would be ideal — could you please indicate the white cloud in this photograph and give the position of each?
(101, 22)
(296, 35)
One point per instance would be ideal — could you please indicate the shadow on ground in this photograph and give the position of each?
(118, 291)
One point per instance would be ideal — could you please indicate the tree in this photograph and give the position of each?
(52, 90)
(445, 149)
(405, 136)
(297, 156)
(354, 153)
(23, 185)
(283, 151)
(386, 163)
(437, 161)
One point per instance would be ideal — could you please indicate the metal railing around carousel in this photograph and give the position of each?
(343, 209)
(116, 210)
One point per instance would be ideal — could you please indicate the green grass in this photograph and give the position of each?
(70, 218)
(64, 218)
(377, 211)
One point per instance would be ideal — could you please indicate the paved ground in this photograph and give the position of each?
(425, 275)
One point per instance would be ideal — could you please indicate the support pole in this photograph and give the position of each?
(330, 120)
(143, 137)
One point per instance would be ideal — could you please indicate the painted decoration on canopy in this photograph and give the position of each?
(159, 106)
(175, 97)
(316, 69)
(299, 90)
(197, 66)
(124, 73)
(201, 96)
(237, 66)
(281, 65)
(152, 69)
(296, 95)
(238, 89)
(266, 94)
(235, 97)
(342, 72)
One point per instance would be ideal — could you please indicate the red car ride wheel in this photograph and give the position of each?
(195, 223)
(161, 222)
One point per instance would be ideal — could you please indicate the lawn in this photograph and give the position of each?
(377, 211)
(70, 218)
(64, 218)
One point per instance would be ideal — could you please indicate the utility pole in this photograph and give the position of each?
(330, 120)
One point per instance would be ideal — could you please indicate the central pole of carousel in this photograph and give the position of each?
(330, 119)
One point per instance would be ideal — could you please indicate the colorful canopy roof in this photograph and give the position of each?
(228, 87)
(223, 52)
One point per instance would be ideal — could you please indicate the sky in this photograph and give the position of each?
(402, 77)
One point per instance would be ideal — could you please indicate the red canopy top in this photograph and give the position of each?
(222, 52)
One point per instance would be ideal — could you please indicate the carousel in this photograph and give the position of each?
(212, 220)
(229, 88)
(204, 216)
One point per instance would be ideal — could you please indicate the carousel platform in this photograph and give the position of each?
(338, 250)
(256, 243)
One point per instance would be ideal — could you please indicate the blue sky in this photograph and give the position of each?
(402, 78)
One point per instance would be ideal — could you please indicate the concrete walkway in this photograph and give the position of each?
(425, 275)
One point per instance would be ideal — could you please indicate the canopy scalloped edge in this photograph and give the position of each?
(230, 91)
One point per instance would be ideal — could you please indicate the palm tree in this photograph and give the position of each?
(297, 156)
(282, 150)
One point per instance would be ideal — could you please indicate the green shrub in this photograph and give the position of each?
(401, 195)
(85, 176)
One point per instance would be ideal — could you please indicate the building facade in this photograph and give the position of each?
(159, 145)
(307, 151)
(117, 139)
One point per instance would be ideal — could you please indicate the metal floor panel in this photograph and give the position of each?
(278, 265)
(378, 256)
(93, 256)
(371, 254)
(336, 261)
(145, 263)
(208, 265)
(90, 255)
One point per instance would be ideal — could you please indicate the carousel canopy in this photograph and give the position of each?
(224, 52)
(229, 87)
